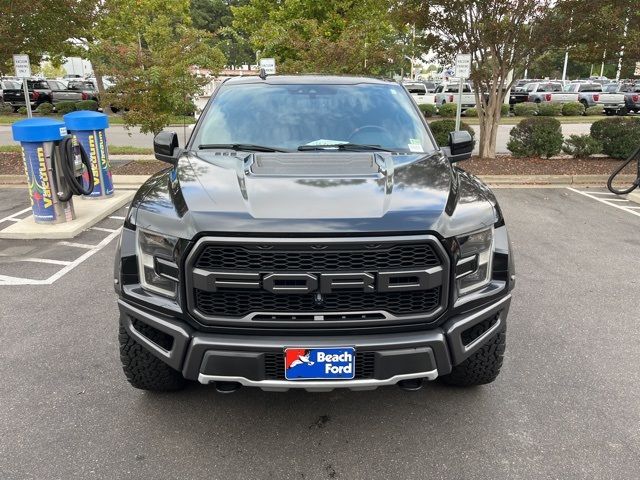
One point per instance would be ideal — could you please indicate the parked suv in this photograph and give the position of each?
(312, 235)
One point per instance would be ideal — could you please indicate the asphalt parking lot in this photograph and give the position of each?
(566, 406)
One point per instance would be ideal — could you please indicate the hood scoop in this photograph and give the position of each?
(317, 185)
(317, 164)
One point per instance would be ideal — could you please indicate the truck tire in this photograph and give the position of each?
(482, 367)
(144, 370)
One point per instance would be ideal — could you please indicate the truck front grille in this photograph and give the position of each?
(240, 303)
(252, 260)
(328, 258)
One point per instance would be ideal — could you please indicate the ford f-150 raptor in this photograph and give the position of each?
(311, 234)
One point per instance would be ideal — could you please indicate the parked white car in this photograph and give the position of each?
(418, 91)
(448, 93)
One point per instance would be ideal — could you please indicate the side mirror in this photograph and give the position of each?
(460, 146)
(165, 147)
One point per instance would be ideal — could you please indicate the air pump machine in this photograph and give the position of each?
(56, 167)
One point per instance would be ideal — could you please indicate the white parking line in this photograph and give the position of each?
(11, 218)
(116, 217)
(77, 245)
(6, 280)
(43, 260)
(609, 202)
(102, 229)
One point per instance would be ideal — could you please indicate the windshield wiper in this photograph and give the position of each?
(239, 146)
(347, 147)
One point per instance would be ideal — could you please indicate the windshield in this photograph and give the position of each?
(419, 89)
(291, 116)
(80, 86)
(37, 84)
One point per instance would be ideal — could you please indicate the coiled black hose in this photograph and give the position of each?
(66, 163)
(634, 156)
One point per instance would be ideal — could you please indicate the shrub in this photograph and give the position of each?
(5, 109)
(525, 109)
(595, 110)
(536, 137)
(65, 107)
(572, 109)
(428, 109)
(441, 129)
(475, 112)
(87, 105)
(45, 108)
(22, 110)
(549, 109)
(581, 146)
(448, 110)
(619, 136)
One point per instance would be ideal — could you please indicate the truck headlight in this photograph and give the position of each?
(473, 269)
(155, 253)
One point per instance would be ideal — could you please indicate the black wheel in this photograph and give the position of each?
(142, 369)
(609, 113)
(623, 111)
(482, 367)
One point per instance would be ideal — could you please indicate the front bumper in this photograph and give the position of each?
(208, 357)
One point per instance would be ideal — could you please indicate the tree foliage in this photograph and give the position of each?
(149, 48)
(594, 30)
(216, 17)
(39, 27)
(501, 36)
(332, 36)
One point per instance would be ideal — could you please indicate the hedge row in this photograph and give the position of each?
(542, 137)
(66, 107)
(525, 109)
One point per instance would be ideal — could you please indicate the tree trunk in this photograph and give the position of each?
(490, 114)
(106, 108)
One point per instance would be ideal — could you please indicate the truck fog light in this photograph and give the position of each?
(151, 248)
(473, 270)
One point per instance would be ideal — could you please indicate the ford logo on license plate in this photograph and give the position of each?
(337, 363)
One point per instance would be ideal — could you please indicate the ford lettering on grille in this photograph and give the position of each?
(303, 283)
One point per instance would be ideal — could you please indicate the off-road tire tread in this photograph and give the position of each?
(144, 370)
(482, 367)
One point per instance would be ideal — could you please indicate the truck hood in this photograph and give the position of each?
(313, 193)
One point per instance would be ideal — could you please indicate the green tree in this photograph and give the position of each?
(149, 48)
(331, 36)
(39, 28)
(501, 36)
(216, 17)
(600, 31)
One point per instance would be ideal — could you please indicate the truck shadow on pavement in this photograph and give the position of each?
(336, 428)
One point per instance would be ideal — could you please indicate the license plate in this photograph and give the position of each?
(337, 363)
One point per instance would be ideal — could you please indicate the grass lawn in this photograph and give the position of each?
(516, 120)
(113, 119)
(113, 150)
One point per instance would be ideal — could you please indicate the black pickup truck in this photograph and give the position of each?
(39, 92)
(312, 235)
